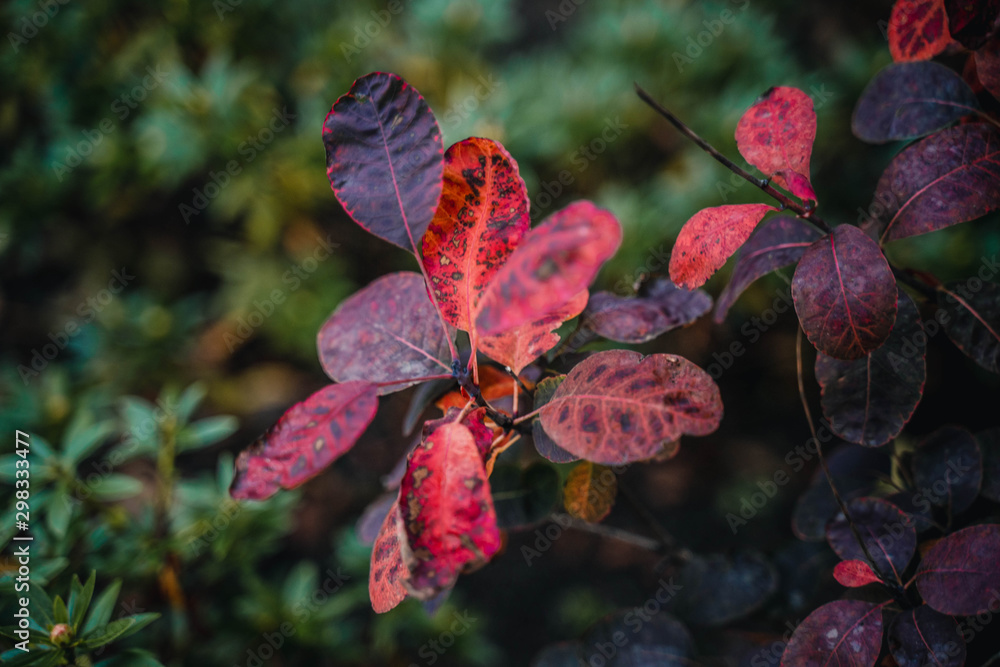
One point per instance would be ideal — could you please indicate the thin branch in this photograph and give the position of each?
(414, 380)
(620, 534)
(647, 517)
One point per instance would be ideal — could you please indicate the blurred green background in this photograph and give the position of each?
(178, 144)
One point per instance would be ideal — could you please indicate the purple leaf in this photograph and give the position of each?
(846, 633)
(662, 307)
(921, 637)
(960, 574)
(776, 243)
(907, 100)
(887, 532)
(545, 445)
(974, 322)
(870, 400)
(948, 178)
(948, 468)
(385, 332)
(384, 158)
(845, 294)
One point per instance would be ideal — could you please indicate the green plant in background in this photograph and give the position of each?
(69, 632)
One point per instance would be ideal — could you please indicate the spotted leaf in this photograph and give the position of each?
(521, 345)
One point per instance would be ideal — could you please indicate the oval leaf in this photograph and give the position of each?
(960, 574)
(447, 511)
(854, 573)
(556, 261)
(385, 332)
(845, 294)
(907, 100)
(950, 177)
(973, 322)
(658, 639)
(887, 532)
(590, 490)
(716, 589)
(870, 400)
(545, 445)
(521, 345)
(921, 637)
(638, 319)
(777, 243)
(388, 571)
(309, 436)
(709, 238)
(480, 219)
(776, 135)
(988, 66)
(948, 468)
(618, 406)
(918, 30)
(845, 632)
(384, 158)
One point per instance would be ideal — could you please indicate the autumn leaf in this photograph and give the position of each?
(920, 637)
(886, 531)
(973, 322)
(845, 632)
(854, 573)
(518, 347)
(960, 574)
(589, 492)
(918, 30)
(660, 307)
(388, 571)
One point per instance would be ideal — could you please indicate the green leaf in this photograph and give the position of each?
(115, 630)
(83, 443)
(300, 583)
(206, 432)
(40, 606)
(140, 420)
(116, 487)
(189, 401)
(36, 657)
(43, 572)
(100, 612)
(59, 612)
(133, 657)
(79, 600)
(60, 512)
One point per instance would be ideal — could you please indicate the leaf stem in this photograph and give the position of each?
(414, 380)
(612, 532)
(803, 211)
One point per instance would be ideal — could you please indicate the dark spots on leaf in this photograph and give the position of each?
(563, 414)
(621, 374)
(596, 373)
(589, 421)
(642, 383)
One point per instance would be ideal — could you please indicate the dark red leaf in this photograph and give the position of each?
(384, 158)
(960, 574)
(776, 243)
(388, 571)
(618, 406)
(556, 261)
(776, 135)
(948, 468)
(907, 100)
(447, 511)
(845, 294)
(918, 30)
(662, 307)
(921, 637)
(482, 215)
(989, 445)
(521, 345)
(854, 573)
(971, 21)
(973, 322)
(709, 238)
(545, 445)
(949, 177)
(887, 532)
(387, 331)
(987, 61)
(474, 420)
(870, 400)
(716, 589)
(846, 633)
(309, 436)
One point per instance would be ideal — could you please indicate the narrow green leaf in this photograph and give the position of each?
(100, 612)
(86, 441)
(79, 600)
(115, 630)
(116, 487)
(40, 606)
(189, 402)
(59, 612)
(206, 432)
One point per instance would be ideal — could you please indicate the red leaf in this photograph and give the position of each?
(922, 637)
(474, 420)
(521, 345)
(847, 633)
(887, 532)
(987, 61)
(854, 573)
(369, 525)
(388, 571)
(845, 294)
(918, 30)
(309, 436)
(971, 21)
(948, 468)
(482, 215)
(709, 238)
(547, 447)
(961, 573)
(973, 322)
(384, 158)
(447, 511)
(776, 135)
(870, 400)
(618, 406)
(908, 100)
(660, 307)
(556, 261)
(385, 332)
(777, 243)
(949, 177)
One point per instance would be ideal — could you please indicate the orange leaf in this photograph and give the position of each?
(520, 346)
(590, 491)
(918, 30)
